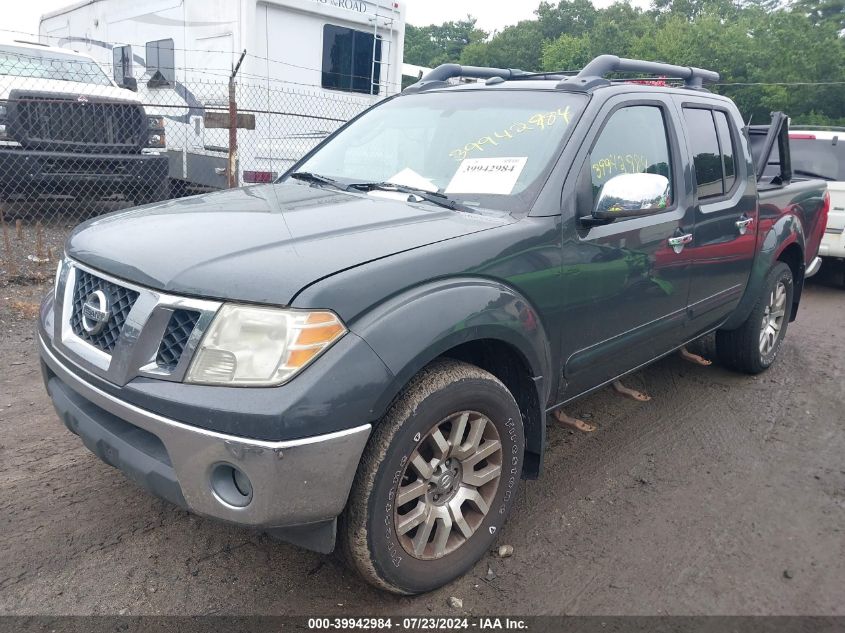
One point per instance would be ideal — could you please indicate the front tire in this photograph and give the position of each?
(754, 346)
(437, 480)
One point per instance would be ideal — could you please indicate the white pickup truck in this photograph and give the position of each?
(820, 153)
(66, 128)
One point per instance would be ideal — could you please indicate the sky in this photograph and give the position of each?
(492, 15)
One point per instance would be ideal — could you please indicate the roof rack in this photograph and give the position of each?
(590, 77)
(593, 74)
(439, 77)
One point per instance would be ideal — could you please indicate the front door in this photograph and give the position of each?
(624, 285)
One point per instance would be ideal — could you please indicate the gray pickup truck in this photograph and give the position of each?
(364, 352)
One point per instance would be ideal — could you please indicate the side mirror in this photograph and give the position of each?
(130, 83)
(629, 196)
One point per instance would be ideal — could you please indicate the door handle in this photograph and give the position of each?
(679, 241)
(744, 223)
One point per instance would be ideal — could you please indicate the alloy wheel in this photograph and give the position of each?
(447, 485)
(773, 317)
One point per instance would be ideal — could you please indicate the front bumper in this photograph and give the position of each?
(294, 483)
(23, 170)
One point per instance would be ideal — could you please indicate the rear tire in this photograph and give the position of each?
(460, 424)
(754, 346)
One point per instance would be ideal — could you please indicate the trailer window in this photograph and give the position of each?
(348, 57)
(122, 63)
(160, 63)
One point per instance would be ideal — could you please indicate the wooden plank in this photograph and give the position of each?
(220, 119)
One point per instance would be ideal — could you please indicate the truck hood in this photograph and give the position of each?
(261, 244)
(71, 89)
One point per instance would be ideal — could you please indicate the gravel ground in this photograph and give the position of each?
(33, 233)
(723, 495)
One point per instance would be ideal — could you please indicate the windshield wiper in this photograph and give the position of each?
(811, 174)
(440, 199)
(317, 179)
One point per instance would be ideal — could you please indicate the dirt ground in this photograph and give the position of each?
(723, 495)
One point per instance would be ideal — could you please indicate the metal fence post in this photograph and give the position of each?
(232, 164)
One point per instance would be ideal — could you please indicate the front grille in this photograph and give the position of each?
(120, 301)
(56, 124)
(179, 329)
(85, 166)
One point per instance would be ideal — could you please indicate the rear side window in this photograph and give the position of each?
(727, 148)
(713, 151)
(633, 140)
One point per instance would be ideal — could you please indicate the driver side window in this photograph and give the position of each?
(634, 140)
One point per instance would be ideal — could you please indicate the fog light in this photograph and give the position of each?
(231, 485)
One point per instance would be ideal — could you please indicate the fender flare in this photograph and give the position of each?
(440, 315)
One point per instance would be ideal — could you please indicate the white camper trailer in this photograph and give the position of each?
(309, 66)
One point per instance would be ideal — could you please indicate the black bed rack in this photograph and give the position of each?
(592, 76)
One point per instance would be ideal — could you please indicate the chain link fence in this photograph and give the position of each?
(73, 145)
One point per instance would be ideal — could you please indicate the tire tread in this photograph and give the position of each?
(353, 541)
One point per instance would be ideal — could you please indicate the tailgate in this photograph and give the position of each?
(836, 217)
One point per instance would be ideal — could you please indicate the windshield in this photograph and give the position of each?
(823, 157)
(54, 66)
(481, 147)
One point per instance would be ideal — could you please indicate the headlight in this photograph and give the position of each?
(254, 346)
(155, 136)
(3, 113)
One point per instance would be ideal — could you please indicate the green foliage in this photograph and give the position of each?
(518, 46)
(747, 41)
(433, 45)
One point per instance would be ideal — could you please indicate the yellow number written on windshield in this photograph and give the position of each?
(539, 121)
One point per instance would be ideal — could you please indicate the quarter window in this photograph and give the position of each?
(348, 60)
(713, 151)
(160, 63)
(634, 140)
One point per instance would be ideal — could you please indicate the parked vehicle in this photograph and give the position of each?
(820, 153)
(179, 54)
(365, 351)
(66, 128)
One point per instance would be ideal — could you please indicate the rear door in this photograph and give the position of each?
(624, 287)
(726, 213)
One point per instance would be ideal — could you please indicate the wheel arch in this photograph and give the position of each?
(479, 321)
(783, 241)
(793, 256)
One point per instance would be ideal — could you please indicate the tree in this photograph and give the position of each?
(568, 17)
(770, 56)
(433, 45)
(518, 46)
